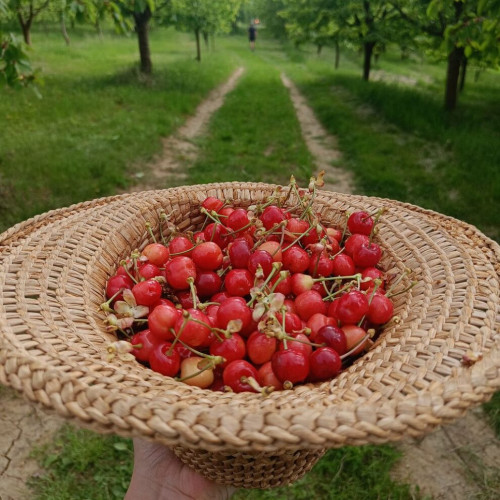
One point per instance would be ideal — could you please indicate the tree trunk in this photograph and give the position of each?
(368, 51)
(26, 28)
(318, 49)
(98, 27)
(337, 54)
(64, 31)
(198, 48)
(206, 40)
(453, 71)
(142, 30)
(463, 72)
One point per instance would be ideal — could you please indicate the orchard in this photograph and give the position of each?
(256, 299)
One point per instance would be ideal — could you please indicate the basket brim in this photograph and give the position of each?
(53, 270)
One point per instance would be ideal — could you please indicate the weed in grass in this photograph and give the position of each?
(79, 465)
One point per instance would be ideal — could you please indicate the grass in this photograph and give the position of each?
(400, 144)
(99, 122)
(80, 465)
(247, 140)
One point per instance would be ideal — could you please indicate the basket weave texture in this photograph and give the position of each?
(53, 270)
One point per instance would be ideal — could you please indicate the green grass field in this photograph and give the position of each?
(99, 121)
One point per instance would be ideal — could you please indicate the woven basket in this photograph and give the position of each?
(53, 270)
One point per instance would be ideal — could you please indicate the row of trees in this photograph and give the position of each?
(458, 30)
(202, 17)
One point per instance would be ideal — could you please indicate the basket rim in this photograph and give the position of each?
(252, 424)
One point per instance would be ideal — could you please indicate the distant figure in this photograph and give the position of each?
(252, 35)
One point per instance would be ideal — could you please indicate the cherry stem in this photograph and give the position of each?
(150, 231)
(409, 287)
(375, 221)
(361, 342)
(106, 306)
(123, 263)
(193, 291)
(265, 391)
(398, 280)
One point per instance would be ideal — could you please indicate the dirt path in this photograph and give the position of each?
(456, 462)
(179, 151)
(322, 145)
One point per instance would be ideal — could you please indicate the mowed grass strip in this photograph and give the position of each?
(255, 135)
(401, 144)
(98, 121)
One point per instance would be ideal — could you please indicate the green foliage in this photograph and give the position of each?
(15, 67)
(210, 16)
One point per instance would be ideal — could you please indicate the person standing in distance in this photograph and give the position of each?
(252, 35)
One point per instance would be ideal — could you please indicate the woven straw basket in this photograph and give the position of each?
(53, 270)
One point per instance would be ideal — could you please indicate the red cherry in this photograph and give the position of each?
(147, 293)
(354, 241)
(369, 274)
(297, 227)
(296, 259)
(367, 255)
(238, 282)
(301, 344)
(212, 203)
(267, 378)
(235, 371)
(271, 216)
(207, 283)
(117, 283)
(230, 349)
(238, 219)
(260, 347)
(207, 256)
(193, 330)
(178, 270)
(149, 270)
(161, 319)
(325, 363)
(381, 309)
(290, 365)
(354, 336)
(352, 307)
(218, 234)
(316, 322)
(180, 245)
(320, 265)
(239, 253)
(360, 222)
(156, 253)
(301, 283)
(263, 259)
(234, 308)
(165, 360)
(333, 337)
(147, 342)
(343, 265)
(308, 303)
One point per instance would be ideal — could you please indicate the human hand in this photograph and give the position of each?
(159, 475)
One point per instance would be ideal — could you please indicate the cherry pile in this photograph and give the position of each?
(258, 299)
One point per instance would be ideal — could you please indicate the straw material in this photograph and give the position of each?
(53, 270)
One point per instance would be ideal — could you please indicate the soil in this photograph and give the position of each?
(456, 462)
